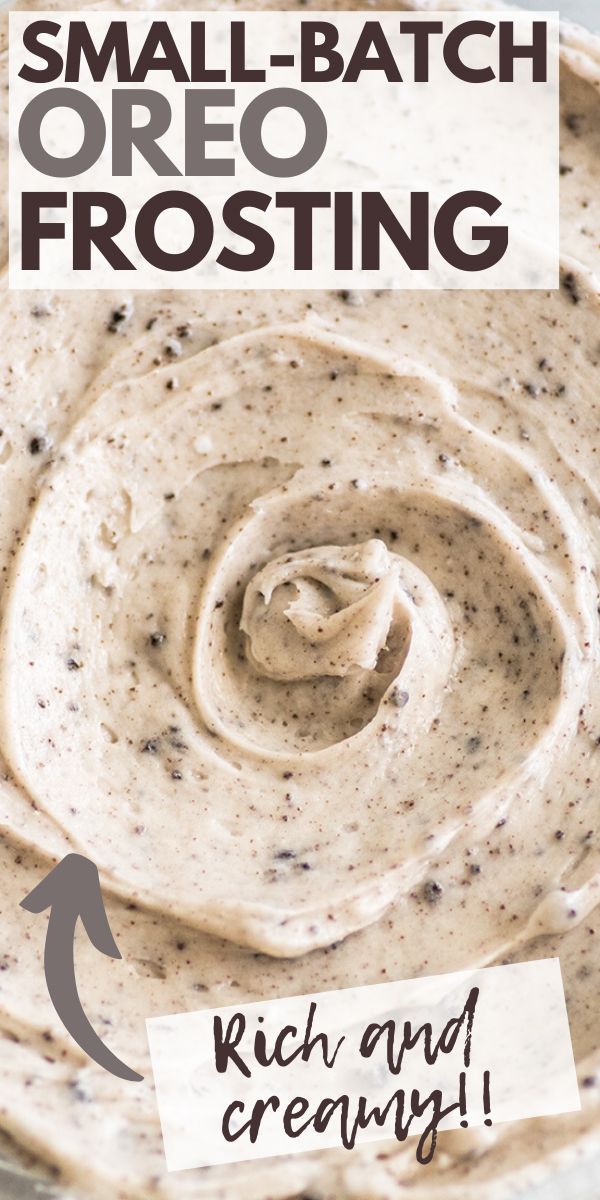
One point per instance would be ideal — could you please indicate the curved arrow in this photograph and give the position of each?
(72, 891)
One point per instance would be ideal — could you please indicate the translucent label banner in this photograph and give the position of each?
(394, 1060)
(278, 149)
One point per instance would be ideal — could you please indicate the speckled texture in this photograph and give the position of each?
(300, 645)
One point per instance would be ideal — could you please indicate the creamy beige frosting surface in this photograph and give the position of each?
(299, 643)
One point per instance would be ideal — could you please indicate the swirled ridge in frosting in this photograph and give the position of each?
(372, 612)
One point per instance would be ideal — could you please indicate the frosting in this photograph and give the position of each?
(299, 643)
